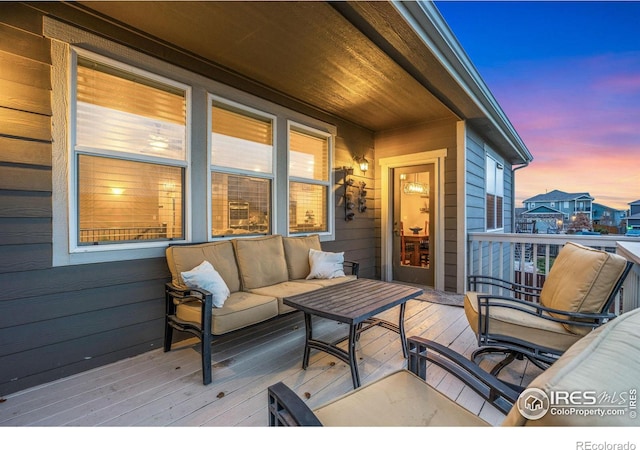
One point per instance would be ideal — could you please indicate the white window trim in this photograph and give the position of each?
(499, 166)
(230, 170)
(65, 250)
(328, 184)
(197, 227)
(76, 150)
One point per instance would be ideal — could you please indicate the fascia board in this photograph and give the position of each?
(431, 27)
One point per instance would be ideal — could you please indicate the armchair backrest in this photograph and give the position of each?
(605, 366)
(582, 279)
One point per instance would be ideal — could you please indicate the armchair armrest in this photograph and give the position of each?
(488, 301)
(497, 392)
(476, 282)
(286, 409)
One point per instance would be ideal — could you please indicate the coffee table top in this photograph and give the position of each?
(354, 301)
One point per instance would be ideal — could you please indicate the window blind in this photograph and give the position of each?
(241, 140)
(117, 110)
(308, 156)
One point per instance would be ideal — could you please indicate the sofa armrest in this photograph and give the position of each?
(354, 266)
(500, 394)
(175, 295)
(286, 409)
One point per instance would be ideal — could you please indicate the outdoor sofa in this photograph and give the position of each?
(219, 287)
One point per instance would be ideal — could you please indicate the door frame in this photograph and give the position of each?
(436, 246)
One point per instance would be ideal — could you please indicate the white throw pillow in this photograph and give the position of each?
(325, 264)
(206, 277)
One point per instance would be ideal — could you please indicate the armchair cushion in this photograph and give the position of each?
(606, 361)
(581, 280)
(400, 399)
(515, 324)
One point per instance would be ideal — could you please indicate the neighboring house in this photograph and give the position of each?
(633, 220)
(127, 126)
(543, 219)
(557, 204)
(608, 217)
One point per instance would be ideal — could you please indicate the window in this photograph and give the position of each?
(242, 161)
(309, 179)
(495, 194)
(128, 154)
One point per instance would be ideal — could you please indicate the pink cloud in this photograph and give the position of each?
(579, 119)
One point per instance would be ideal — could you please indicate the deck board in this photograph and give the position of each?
(165, 389)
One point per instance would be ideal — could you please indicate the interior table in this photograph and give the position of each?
(355, 303)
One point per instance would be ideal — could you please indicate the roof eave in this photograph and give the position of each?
(430, 25)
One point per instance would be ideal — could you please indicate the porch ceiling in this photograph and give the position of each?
(307, 51)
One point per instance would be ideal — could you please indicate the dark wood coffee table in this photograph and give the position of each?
(354, 303)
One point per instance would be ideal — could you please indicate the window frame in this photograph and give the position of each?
(316, 132)
(495, 191)
(211, 98)
(197, 183)
(76, 150)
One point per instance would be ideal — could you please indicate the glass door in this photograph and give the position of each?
(413, 224)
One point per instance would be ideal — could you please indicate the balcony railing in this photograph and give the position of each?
(527, 258)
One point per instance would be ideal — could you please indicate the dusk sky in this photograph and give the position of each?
(567, 75)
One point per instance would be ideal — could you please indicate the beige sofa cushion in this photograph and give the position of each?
(401, 399)
(607, 361)
(261, 261)
(296, 251)
(285, 289)
(581, 280)
(240, 310)
(519, 325)
(182, 258)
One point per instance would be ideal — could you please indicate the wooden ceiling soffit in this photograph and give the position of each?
(306, 50)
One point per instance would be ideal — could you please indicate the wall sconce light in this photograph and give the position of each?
(363, 163)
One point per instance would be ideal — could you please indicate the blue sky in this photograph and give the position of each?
(567, 74)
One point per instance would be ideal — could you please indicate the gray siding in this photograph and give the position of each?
(420, 138)
(57, 321)
(475, 193)
(476, 166)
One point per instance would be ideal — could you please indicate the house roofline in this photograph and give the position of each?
(430, 25)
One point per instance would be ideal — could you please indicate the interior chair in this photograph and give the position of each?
(423, 247)
(406, 248)
(607, 360)
(540, 324)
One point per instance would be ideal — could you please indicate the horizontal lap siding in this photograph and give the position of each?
(430, 136)
(475, 183)
(476, 220)
(58, 321)
(54, 321)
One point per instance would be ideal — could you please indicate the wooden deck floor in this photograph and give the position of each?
(165, 389)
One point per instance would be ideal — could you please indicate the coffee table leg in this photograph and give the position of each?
(403, 338)
(308, 336)
(353, 364)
